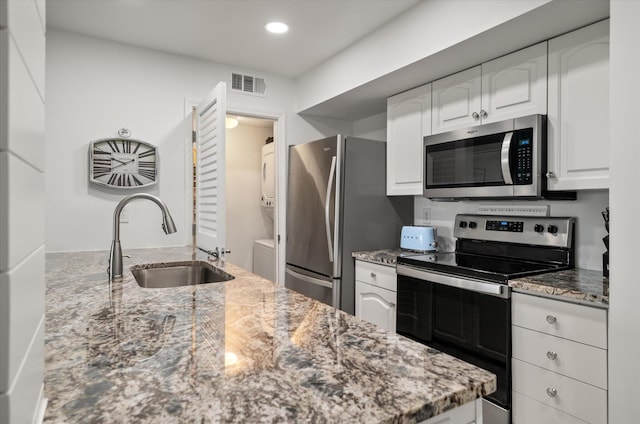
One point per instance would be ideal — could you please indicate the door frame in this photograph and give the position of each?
(281, 172)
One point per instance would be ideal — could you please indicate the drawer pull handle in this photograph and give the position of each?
(552, 355)
(551, 392)
(373, 275)
(551, 319)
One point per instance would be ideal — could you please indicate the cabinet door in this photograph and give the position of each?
(376, 305)
(578, 133)
(408, 121)
(455, 99)
(515, 85)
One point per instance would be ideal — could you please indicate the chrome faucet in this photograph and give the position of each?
(115, 256)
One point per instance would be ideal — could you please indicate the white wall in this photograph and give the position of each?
(22, 286)
(95, 87)
(589, 224)
(422, 31)
(624, 314)
(246, 219)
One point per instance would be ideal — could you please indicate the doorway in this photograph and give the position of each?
(250, 193)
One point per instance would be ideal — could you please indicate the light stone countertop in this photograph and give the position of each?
(573, 285)
(241, 351)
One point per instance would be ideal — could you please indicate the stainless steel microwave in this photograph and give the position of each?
(502, 160)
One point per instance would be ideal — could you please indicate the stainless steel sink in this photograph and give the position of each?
(176, 274)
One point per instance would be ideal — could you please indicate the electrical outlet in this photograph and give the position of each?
(426, 216)
(124, 216)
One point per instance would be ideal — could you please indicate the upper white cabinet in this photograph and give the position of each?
(456, 101)
(408, 121)
(578, 133)
(510, 86)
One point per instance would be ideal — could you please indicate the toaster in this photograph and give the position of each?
(419, 239)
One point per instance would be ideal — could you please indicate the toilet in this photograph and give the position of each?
(264, 263)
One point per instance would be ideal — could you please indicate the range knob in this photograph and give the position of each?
(472, 224)
(538, 228)
(463, 224)
(552, 229)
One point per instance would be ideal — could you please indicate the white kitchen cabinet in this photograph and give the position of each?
(376, 294)
(507, 87)
(456, 101)
(578, 132)
(408, 121)
(559, 361)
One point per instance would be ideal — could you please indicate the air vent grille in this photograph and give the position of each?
(248, 84)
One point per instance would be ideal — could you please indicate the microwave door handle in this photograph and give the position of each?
(327, 201)
(504, 158)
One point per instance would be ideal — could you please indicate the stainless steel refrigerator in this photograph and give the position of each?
(337, 204)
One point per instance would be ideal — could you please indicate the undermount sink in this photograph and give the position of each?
(176, 274)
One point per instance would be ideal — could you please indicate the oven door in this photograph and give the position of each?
(468, 319)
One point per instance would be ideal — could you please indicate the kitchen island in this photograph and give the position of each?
(245, 350)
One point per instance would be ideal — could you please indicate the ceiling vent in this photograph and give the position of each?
(248, 84)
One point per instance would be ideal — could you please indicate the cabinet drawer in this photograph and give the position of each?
(377, 275)
(570, 321)
(576, 360)
(529, 411)
(579, 399)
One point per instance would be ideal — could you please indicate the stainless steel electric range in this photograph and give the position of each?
(459, 302)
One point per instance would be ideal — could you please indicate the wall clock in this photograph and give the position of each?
(122, 163)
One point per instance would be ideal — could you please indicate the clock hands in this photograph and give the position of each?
(122, 163)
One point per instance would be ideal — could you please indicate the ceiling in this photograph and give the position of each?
(231, 31)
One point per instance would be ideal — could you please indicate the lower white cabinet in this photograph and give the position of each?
(559, 363)
(376, 294)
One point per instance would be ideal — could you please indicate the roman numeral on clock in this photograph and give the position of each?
(148, 173)
(147, 164)
(147, 153)
(113, 145)
(101, 171)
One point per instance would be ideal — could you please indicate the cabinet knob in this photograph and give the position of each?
(475, 116)
(373, 275)
(483, 114)
(552, 355)
(552, 392)
(392, 305)
(550, 174)
(551, 319)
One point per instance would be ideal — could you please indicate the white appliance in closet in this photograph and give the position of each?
(268, 199)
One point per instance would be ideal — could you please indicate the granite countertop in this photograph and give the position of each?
(245, 350)
(573, 285)
(382, 257)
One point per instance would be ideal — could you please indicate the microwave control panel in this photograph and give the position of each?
(523, 150)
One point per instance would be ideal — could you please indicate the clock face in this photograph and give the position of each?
(122, 163)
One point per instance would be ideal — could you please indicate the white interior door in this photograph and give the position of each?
(210, 170)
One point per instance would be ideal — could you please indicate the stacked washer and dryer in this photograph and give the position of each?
(264, 260)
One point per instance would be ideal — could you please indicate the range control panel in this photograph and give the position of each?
(543, 231)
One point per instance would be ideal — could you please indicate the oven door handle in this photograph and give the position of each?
(493, 289)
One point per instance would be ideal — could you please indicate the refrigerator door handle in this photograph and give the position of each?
(308, 279)
(327, 200)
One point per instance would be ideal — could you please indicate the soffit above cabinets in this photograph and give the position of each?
(547, 21)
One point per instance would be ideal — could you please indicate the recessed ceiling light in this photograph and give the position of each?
(277, 27)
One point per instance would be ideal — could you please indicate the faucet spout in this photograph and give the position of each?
(115, 256)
